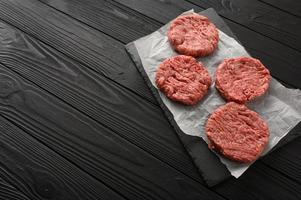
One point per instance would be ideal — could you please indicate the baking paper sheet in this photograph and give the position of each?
(280, 106)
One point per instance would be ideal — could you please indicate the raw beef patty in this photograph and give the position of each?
(242, 79)
(193, 35)
(237, 132)
(183, 79)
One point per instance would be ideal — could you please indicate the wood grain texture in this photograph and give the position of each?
(140, 122)
(282, 62)
(162, 11)
(82, 138)
(260, 17)
(290, 6)
(262, 165)
(36, 170)
(127, 112)
(260, 183)
(9, 192)
(95, 148)
(109, 17)
(84, 10)
(287, 160)
(79, 15)
(273, 54)
(92, 48)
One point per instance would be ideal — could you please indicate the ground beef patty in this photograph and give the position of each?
(237, 132)
(242, 79)
(193, 35)
(183, 79)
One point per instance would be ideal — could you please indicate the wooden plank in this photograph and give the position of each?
(273, 54)
(94, 148)
(81, 11)
(139, 122)
(170, 154)
(290, 6)
(82, 15)
(261, 183)
(38, 171)
(117, 21)
(164, 10)
(287, 160)
(260, 17)
(282, 64)
(92, 48)
(7, 191)
(239, 192)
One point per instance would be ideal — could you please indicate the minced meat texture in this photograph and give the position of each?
(242, 79)
(237, 132)
(193, 35)
(183, 79)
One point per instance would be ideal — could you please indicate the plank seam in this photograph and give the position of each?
(80, 21)
(86, 116)
(151, 154)
(280, 172)
(288, 12)
(62, 156)
(52, 7)
(128, 89)
(250, 29)
(47, 90)
(92, 117)
(162, 23)
(180, 171)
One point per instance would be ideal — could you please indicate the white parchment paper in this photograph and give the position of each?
(280, 106)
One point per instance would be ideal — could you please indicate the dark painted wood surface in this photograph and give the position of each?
(259, 17)
(8, 191)
(78, 122)
(273, 54)
(37, 171)
(290, 6)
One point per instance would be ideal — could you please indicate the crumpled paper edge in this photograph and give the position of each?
(235, 168)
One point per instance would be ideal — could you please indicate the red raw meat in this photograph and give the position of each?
(183, 79)
(242, 79)
(193, 35)
(237, 132)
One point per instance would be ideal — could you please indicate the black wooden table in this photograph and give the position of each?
(78, 122)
